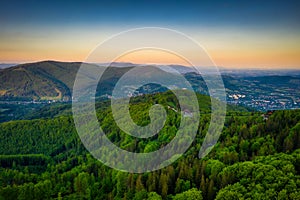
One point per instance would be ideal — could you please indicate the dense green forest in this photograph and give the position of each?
(43, 157)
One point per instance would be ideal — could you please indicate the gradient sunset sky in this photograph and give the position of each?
(239, 34)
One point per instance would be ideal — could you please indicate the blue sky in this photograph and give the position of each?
(25, 26)
(257, 14)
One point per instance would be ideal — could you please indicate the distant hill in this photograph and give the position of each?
(51, 80)
(47, 80)
(42, 80)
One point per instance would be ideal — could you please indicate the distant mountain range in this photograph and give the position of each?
(243, 72)
(53, 81)
(7, 65)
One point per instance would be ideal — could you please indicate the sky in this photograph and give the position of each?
(235, 34)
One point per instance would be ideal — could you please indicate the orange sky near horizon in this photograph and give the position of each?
(227, 48)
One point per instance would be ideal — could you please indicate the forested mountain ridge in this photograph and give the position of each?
(46, 80)
(253, 159)
(53, 80)
(42, 80)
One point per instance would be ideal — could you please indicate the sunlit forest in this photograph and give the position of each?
(255, 157)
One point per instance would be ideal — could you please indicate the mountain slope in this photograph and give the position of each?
(51, 80)
(42, 80)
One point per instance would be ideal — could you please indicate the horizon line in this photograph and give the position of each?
(163, 64)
